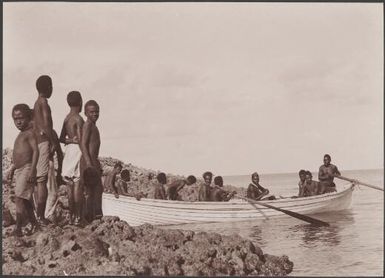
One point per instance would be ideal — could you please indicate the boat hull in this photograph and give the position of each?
(166, 212)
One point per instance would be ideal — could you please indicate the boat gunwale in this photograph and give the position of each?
(154, 202)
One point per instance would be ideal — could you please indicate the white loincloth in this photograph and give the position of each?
(52, 190)
(71, 163)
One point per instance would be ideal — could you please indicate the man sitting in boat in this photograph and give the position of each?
(121, 187)
(159, 190)
(311, 187)
(301, 183)
(177, 185)
(326, 174)
(204, 188)
(109, 181)
(255, 191)
(217, 193)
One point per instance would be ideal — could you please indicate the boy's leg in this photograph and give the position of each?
(78, 199)
(31, 215)
(42, 194)
(19, 216)
(98, 199)
(42, 168)
(70, 193)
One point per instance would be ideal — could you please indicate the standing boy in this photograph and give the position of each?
(45, 140)
(25, 157)
(89, 163)
(71, 134)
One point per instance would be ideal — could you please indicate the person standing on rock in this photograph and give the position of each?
(25, 159)
(159, 191)
(204, 188)
(89, 163)
(177, 185)
(70, 136)
(43, 129)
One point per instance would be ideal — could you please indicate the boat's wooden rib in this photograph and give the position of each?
(166, 212)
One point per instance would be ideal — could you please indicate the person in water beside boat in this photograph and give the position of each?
(89, 163)
(218, 194)
(326, 175)
(255, 191)
(25, 159)
(159, 190)
(70, 136)
(177, 185)
(204, 187)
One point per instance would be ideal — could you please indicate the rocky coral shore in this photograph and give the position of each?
(112, 247)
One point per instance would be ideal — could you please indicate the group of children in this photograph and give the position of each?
(164, 190)
(308, 187)
(33, 156)
(37, 143)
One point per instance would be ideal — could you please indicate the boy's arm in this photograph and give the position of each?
(86, 132)
(47, 123)
(63, 134)
(35, 155)
(336, 172)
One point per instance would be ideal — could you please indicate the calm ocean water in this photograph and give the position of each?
(353, 245)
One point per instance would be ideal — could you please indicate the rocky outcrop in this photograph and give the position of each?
(111, 247)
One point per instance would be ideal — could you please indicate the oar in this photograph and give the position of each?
(359, 182)
(291, 213)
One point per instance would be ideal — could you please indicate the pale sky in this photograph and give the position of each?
(228, 87)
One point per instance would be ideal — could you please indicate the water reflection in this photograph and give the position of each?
(312, 236)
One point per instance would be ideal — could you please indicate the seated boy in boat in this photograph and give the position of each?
(301, 183)
(121, 187)
(255, 191)
(177, 185)
(159, 190)
(204, 187)
(217, 193)
(109, 181)
(311, 187)
(25, 157)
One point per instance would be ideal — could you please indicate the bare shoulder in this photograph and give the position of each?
(30, 134)
(79, 119)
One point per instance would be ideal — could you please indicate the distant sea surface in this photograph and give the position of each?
(353, 245)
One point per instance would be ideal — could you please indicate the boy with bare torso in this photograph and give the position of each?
(46, 143)
(25, 157)
(89, 163)
(71, 135)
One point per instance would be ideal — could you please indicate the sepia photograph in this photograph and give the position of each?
(193, 139)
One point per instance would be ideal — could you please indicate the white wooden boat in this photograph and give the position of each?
(167, 212)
